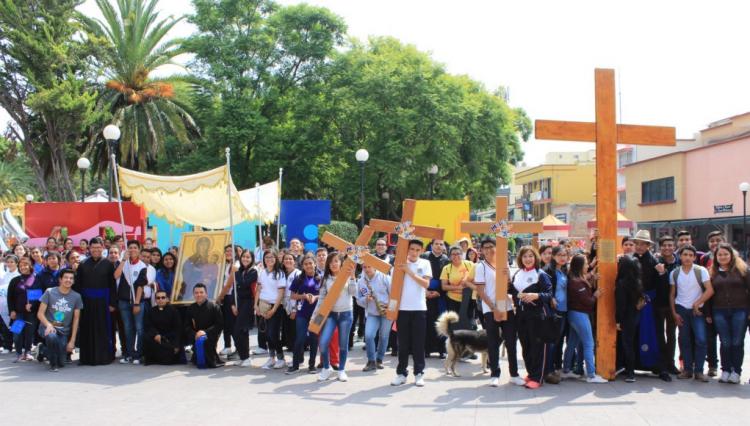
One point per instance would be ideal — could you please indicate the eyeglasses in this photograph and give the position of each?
(161, 297)
(455, 254)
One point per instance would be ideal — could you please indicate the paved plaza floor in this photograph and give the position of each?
(143, 395)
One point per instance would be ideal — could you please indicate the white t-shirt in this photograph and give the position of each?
(688, 289)
(525, 278)
(151, 278)
(4, 312)
(414, 296)
(484, 273)
(270, 285)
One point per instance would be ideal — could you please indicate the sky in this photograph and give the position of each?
(678, 63)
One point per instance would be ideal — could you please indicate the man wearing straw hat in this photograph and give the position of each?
(649, 339)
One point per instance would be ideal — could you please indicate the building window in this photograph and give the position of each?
(624, 158)
(622, 201)
(658, 190)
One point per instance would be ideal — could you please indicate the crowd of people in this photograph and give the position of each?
(99, 295)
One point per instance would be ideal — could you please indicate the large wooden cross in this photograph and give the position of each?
(606, 133)
(502, 229)
(406, 231)
(357, 253)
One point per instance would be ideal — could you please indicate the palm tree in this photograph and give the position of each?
(148, 110)
(15, 181)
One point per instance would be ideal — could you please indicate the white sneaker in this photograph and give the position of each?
(734, 378)
(259, 351)
(124, 360)
(419, 380)
(136, 362)
(570, 375)
(724, 377)
(226, 351)
(4, 351)
(597, 379)
(399, 380)
(342, 376)
(325, 374)
(245, 363)
(279, 364)
(269, 364)
(494, 382)
(518, 381)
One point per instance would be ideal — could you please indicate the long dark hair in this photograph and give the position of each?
(330, 258)
(174, 262)
(629, 276)
(252, 260)
(276, 270)
(736, 264)
(577, 265)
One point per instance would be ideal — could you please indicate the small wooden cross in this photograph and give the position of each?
(606, 133)
(406, 231)
(357, 253)
(502, 230)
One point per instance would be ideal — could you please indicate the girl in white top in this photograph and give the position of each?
(340, 316)
(290, 272)
(6, 339)
(268, 305)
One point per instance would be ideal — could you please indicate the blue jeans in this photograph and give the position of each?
(731, 324)
(55, 343)
(692, 340)
(580, 333)
(301, 337)
(342, 320)
(377, 325)
(133, 325)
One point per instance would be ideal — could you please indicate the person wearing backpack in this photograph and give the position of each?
(690, 289)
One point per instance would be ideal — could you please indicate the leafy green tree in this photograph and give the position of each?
(148, 109)
(46, 66)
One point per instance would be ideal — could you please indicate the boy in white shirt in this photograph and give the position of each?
(412, 314)
(689, 288)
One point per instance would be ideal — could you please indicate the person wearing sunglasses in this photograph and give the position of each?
(162, 344)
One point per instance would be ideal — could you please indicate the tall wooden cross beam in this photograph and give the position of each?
(606, 133)
(502, 230)
(406, 231)
(357, 253)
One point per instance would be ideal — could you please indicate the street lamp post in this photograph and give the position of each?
(83, 164)
(362, 156)
(432, 171)
(744, 187)
(111, 135)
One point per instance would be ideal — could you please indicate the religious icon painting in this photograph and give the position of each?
(201, 261)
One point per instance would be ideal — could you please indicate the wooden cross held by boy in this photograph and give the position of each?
(358, 253)
(606, 133)
(502, 230)
(406, 231)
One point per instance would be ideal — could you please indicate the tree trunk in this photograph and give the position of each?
(37, 168)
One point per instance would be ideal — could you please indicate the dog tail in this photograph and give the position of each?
(442, 325)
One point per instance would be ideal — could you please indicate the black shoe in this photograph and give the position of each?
(630, 378)
(665, 377)
(370, 366)
(292, 370)
(394, 353)
(319, 366)
(442, 355)
(427, 355)
(53, 369)
(312, 370)
(673, 370)
(379, 364)
(473, 357)
(335, 367)
(68, 359)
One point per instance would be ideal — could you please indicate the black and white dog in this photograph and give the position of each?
(460, 342)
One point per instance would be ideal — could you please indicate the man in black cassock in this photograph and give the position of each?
(95, 282)
(204, 318)
(162, 342)
(435, 298)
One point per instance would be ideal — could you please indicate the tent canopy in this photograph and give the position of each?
(550, 222)
(199, 199)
